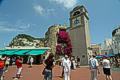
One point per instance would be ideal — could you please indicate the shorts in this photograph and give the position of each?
(1, 71)
(106, 71)
(19, 70)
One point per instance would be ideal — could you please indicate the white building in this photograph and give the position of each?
(108, 47)
(107, 44)
(116, 40)
(112, 46)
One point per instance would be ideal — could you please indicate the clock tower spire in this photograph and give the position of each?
(79, 34)
(78, 16)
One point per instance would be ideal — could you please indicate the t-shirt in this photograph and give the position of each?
(19, 65)
(106, 63)
(49, 63)
(7, 61)
(93, 63)
(67, 65)
(31, 59)
(2, 63)
(62, 61)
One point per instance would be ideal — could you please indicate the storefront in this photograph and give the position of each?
(37, 54)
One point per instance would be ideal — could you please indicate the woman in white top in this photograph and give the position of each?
(74, 64)
(67, 65)
(31, 61)
(7, 63)
(106, 68)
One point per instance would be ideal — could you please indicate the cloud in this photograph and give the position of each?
(39, 9)
(42, 11)
(8, 29)
(19, 26)
(49, 11)
(66, 3)
(25, 26)
(4, 26)
(3, 22)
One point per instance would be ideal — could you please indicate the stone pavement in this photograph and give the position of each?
(35, 73)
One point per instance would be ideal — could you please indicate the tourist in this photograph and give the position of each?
(7, 63)
(106, 68)
(31, 61)
(19, 62)
(78, 62)
(116, 61)
(67, 65)
(49, 64)
(93, 63)
(62, 75)
(74, 63)
(62, 62)
(13, 60)
(2, 66)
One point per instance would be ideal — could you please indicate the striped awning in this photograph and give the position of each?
(36, 52)
(23, 52)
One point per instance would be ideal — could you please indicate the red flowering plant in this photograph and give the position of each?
(59, 49)
(66, 48)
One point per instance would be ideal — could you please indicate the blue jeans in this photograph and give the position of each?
(48, 73)
(94, 74)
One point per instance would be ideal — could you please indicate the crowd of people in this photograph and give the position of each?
(6, 61)
(114, 61)
(94, 67)
(67, 63)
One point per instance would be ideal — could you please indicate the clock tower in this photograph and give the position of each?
(79, 34)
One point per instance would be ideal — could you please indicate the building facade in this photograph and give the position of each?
(107, 44)
(108, 47)
(51, 37)
(96, 49)
(116, 40)
(79, 34)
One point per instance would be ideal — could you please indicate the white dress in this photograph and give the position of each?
(67, 65)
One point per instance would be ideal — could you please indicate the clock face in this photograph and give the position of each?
(76, 21)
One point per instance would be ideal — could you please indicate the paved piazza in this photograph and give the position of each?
(34, 73)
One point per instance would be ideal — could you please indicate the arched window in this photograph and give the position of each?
(76, 13)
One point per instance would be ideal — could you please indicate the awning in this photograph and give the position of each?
(7, 52)
(23, 52)
(110, 55)
(36, 52)
(99, 56)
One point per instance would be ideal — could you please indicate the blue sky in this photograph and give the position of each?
(33, 17)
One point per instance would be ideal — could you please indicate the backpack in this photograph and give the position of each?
(93, 64)
(2, 64)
